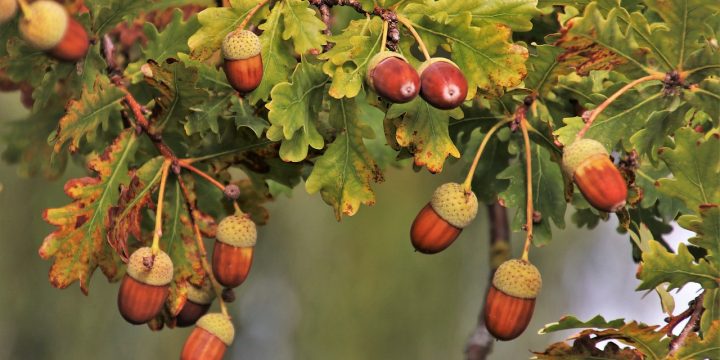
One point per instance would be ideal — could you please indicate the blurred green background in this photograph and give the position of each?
(318, 289)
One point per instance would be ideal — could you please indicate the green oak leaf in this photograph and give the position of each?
(217, 22)
(705, 347)
(303, 26)
(294, 109)
(163, 45)
(108, 13)
(344, 172)
(177, 91)
(707, 228)
(571, 322)
(244, 116)
(660, 266)
(423, 129)
(79, 243)
(656, 132)
(711, 303)
(485, 54)
(695, 165)
(548, 193)
(706, 97)
(84, 117)
(515, 14)
(544, 69)
(348, 59)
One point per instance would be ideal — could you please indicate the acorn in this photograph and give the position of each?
(233, 251)
(8, 8)
(588, 164)
(47, 26)
(209, 340)
(243, 60)
(511, 299)
(392, 77)
(197, 304)
(146, 285)
(440, 222)
(442, 84)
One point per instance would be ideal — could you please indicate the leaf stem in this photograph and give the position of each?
(467, 185)
(217, 288)
(157, 232)
(529, 211)
(202, 174)
(598, 110)
(408, 24)
(252, 13)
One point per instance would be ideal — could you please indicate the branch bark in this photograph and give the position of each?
(480, 343)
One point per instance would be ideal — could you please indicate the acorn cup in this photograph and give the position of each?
(392, 77)
(145, 287)
(511, 299)
(588, 164)
(197, 304)
(209, 340)
(442, 84)
(233, 251)
(8, 8)
(441, 221)
(47, 26)
(243, 61)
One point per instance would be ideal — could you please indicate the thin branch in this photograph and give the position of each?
(252, 13)
(698, 309)
(202, 174)
(479, 345)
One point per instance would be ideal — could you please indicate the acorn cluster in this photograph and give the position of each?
(439, 81)
(47, 26)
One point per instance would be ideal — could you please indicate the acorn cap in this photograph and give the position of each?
(8, 8)
(454, 205)
(161, 272)
(427, 63)
(218, 325)
(378, 58)
(518, 278)
(239, 45)
(579, 151)
(237, 230)
(201, 295)
(45, 24)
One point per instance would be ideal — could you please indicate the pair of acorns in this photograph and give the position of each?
(439, 81)
(47, 26)
(146, 286)
(511, 299)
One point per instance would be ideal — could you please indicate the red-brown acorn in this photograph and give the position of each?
(442, 84)
(588, 164)
(440, 222)
(145, 287)
(209, 340)
(511, 299)
(47, 26)
(233, 251)
(197, 304)
(243, 60)
(392, 77)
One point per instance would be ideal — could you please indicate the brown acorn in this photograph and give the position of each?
(197, 304)
(243, 60)
(233, 251)
(442, 84)
(47, 26)
(145, 287)
(8, 8)
(209, 340)
(440, 222)
(392, 77)
(511, 299)
(588, 164)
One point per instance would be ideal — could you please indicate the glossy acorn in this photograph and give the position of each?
(146, 285)
(441, 221)
(442, 84)
(588, 164)
(47, 26)
(392, 77)
(243, 60)
(233, 250)
(8, 9)
(511, 299)
(197, 304)
(209, 339)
